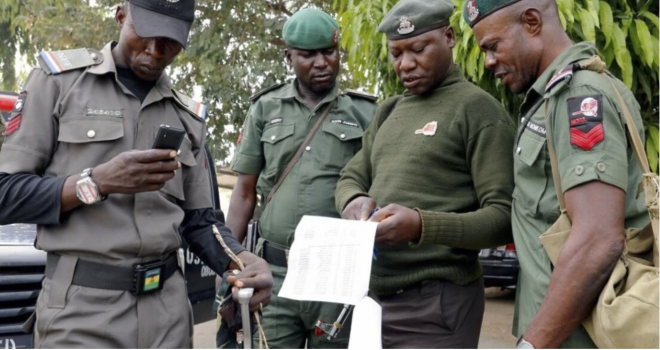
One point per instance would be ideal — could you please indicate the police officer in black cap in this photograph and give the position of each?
(79, 162)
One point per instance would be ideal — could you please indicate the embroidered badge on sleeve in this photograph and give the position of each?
(585, 115)
(15, 117)
(13, 124)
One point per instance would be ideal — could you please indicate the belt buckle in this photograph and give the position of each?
(148, 277)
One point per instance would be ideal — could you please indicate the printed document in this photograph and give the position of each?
(330, 260)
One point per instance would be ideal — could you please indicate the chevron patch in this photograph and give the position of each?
(588, 140)
(585, 114)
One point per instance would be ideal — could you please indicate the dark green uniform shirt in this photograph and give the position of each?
(275, 127)
(588, 132)
(447, 155)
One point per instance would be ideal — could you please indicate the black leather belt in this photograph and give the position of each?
(274, 255)
(96, 275)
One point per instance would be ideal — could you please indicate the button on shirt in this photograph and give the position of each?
(276, 126)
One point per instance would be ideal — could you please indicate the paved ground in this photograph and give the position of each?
(495, 333)
(498, 318)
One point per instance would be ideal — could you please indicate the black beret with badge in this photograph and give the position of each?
(476, 10)
(409, 18)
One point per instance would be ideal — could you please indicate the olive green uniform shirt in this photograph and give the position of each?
(275, 127)
(610, 160)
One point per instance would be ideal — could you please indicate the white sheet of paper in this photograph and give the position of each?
(366, 328)
(330, 260)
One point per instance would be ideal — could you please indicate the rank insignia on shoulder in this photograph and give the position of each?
(585, 115)
(198, 109)
(256, 96)
(56, 62)
(558, 77)
(365, 95)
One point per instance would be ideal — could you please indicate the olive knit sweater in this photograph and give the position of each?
(460, 180)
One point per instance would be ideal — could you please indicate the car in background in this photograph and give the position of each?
(22, 267)
(500, 266)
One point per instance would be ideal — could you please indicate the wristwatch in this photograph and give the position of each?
(523, 344)
(87, 190)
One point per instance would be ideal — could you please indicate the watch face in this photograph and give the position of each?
(86, 191)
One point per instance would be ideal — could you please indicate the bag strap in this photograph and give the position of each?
(554, 164)
(633, 136)
(300, 151)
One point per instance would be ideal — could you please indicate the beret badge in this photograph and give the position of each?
(405, 26)
(473, 11)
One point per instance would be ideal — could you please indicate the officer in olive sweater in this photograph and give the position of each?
(437, 163)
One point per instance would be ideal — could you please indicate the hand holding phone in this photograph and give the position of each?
(169, 137)
(142, 171)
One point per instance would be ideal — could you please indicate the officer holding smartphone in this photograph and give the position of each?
(81, 160)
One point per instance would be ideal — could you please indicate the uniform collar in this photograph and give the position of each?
(163, 84)
(577, 52)
(291, 91)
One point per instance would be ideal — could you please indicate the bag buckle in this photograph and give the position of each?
(148, 277)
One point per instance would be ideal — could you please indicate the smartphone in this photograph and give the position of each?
(169, 137)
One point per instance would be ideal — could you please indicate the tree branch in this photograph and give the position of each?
(278, 42)
(279, 7)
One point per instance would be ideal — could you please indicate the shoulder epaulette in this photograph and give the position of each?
(559, 77)
(56, 62)
(195, 108)
(594, 63)
(361, 94)
(266, 90)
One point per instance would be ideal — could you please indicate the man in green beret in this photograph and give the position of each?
(436, 163)
(280, 119)
(528, 49)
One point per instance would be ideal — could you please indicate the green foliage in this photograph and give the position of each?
(624, 31)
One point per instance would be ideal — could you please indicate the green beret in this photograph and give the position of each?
(476, 10)
(311, 29)
(410, 18)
